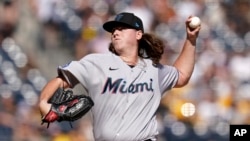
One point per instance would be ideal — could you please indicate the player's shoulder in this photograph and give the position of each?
(98, 55)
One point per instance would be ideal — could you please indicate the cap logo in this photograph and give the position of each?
(137, 25)
(118, 17)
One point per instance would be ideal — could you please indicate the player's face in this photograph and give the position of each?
(125, 38)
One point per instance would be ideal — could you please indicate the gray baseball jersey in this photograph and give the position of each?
(126, 99)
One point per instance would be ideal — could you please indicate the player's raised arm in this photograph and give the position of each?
(186, 60)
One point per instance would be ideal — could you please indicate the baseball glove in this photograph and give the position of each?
(67, 107)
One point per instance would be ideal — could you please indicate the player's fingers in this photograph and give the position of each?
(192, 34)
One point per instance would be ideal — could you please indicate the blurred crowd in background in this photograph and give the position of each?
(36, 36)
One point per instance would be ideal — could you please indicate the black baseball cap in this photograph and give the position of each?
(125, 18)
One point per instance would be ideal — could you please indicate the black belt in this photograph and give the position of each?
(148, 140)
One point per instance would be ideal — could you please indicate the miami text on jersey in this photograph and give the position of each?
(119, 85)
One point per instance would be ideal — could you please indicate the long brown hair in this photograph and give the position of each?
(150, 46)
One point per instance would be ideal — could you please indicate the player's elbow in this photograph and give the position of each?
(182, 80)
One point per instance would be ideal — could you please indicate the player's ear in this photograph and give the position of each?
(139, 34)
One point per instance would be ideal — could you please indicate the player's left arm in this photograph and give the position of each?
(186, 60)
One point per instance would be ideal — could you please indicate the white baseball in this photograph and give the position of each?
(195, 22)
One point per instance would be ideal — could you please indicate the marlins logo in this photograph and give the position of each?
(137, 25)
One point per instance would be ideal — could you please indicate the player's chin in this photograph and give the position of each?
(118, 49)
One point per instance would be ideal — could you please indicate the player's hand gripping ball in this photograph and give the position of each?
(195, 22)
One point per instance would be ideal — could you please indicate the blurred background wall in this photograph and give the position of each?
(36, 36)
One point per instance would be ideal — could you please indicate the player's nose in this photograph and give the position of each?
(115, 34)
